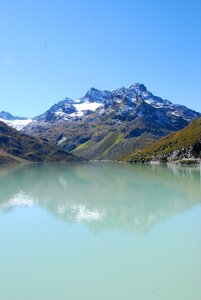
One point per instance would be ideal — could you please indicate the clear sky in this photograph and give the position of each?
(52, 49)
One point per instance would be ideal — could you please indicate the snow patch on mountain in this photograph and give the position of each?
(63, 139)
(123, 102)
(17, 124)
(81, 107)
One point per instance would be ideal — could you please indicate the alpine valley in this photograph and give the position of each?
(105, 125)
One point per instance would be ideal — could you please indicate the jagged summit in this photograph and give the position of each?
(123, 101)
(67, 99)
(95, 95)
(110, 124)
(138, 86)
(6, 115)
(92, 91)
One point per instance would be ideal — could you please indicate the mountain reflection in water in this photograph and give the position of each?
(121, 197)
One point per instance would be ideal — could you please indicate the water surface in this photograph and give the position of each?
(100, 231)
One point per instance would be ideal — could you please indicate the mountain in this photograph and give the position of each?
(109, 125)
(7, 158)
(14, 121)
(18, 147)
(69, 109)
(181, 145)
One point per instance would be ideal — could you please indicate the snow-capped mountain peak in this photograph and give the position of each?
(122, 101)
(95, 95)
(138, 86)
(14, 121)
(109, 125)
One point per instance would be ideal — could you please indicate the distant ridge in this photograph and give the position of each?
(14, 121)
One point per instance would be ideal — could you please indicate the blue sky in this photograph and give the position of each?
(50, 50)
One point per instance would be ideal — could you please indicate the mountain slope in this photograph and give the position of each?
(9, 158)
(15, 146)
(14, 121)
(120, 122)
(184, 144)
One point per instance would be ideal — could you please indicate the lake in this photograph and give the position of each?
(100, 231)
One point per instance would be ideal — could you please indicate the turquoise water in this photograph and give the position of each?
(100, 231)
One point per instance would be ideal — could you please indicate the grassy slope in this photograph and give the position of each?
(8, 158)
(15, 146)
(183, 141)
(107, 140)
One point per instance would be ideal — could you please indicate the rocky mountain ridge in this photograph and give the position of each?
(69, 109)
(108, 125)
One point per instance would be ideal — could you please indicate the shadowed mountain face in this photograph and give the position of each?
(110, 196)
(109, 125)
(18, 147)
